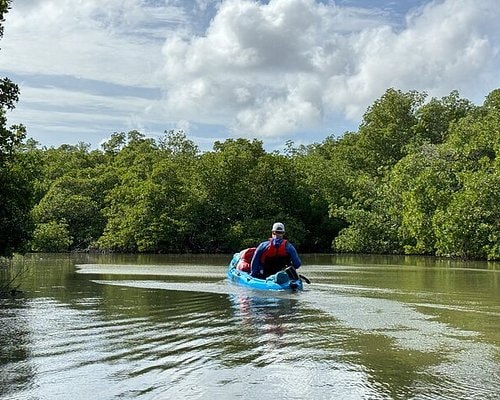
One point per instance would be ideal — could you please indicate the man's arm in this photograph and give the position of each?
(255, 265)
(296, 262)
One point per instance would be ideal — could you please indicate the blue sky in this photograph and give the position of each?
(275, 70)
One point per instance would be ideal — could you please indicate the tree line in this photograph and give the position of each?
(418, 177)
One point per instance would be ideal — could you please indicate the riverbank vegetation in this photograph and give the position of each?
(420, 176)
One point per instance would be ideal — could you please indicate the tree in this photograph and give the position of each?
(436, 117)
(115, 143)
(70, 202)
(422, 184)
(470, 226)
(176, 143)
(15, 189)
(52, 236)
(371, 221)
(322, 176)
(227, 176)
(388, 127)
(416, 178)
(152, 206)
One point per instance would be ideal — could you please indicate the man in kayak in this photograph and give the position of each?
(274, 254)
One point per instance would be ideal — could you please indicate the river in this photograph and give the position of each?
(172, 327)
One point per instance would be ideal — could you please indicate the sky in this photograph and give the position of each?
(275, 70)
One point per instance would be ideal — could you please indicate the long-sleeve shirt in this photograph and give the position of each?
(256, 265)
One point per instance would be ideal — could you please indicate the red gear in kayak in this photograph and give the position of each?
(245, 259)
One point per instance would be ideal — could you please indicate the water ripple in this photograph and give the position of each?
(176, 336)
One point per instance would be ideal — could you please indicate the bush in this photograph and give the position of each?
(51, 237)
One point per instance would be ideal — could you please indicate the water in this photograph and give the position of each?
(165, 327)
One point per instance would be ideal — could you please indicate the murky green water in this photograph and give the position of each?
(163, 327)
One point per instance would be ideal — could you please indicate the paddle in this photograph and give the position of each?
(305, 278)
(292, 273)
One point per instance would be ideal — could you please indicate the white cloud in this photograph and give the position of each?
(260, 68)
(117, 42)
(444, 47)
(265, 69)
(87, 68)
(61, 113)
(270, 69)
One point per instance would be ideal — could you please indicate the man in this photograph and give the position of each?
(274, 254)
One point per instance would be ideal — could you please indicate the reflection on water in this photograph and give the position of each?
(172, 327)
(266, 320)
(14, 348)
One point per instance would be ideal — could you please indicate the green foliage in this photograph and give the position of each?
(52, 236)
(77, 208)
(71, 186)
(417, 179)
(229, 194)
(427, 180)
(470, 226)
(422, 183)
(387, 128)
(436, 117)
(151, 206)
(15, 188)
(15, 203)
(372, 221)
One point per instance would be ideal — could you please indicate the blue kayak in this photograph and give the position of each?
(279, 281)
